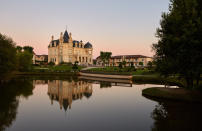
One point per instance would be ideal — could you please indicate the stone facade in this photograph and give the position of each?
(67, 50)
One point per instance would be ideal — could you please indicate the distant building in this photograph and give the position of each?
(136, 60)
(40, 59)
(67, 50)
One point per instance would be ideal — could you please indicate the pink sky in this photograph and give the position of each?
(122, 27)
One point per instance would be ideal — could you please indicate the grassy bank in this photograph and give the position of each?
(177, 94)
(157, 79)
(45, 73)
(56, 68)
(122, 71)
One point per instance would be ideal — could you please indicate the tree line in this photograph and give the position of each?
(14, 58)
(179, 48)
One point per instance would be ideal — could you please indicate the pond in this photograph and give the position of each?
(50, 104)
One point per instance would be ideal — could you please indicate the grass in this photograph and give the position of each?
(179, 94)
(56, 68)
(117, 70)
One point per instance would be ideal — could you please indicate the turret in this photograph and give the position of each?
(61, 37)
(52, 38)
(66, 37)
(70, 37)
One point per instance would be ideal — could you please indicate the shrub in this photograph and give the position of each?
(51, 63)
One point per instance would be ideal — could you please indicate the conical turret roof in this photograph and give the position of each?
(66, 37)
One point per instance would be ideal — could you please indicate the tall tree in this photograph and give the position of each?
(7, 54)
(24, 61)
(105, 56)
(19, 49)
(29, 49)
(179, 48)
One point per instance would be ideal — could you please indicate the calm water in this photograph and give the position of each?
(79, 105)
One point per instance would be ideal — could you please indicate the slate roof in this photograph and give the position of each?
(66, 37)
(128, 56)
(88, 45)
(57, 42)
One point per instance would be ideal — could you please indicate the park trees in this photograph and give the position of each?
(24, 58)
(24, 61)
(105, 56)
(179, 47)
(14, 58)
(29, 49)
(7, 54)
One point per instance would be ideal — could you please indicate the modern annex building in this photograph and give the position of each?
(65, 49)
(137, 60)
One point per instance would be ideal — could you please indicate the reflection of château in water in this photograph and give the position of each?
(65, 92)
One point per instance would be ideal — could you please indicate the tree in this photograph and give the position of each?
(124, 63)
(149, 65)
(19, 49)
(29, 49)
(75, 66)
(25, 61)
(132, 67)
(179, 48)
(7, 55)
(120, 65)
(141, 63)
(51, 63)
(105, 56)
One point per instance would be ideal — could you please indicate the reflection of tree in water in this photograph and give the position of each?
(105, 84)
(176, 116)
(65, 92)
(9, 99)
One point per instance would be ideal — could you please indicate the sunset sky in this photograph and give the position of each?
(119, 26)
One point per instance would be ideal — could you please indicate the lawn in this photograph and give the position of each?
(126, 70)
(56, 68)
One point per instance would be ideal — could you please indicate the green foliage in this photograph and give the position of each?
(149, 65)
(7, 55)
(120, 65)
(132, 65)
(66, 63)
(94, 62)
(141, 63)
(124, 63)
(24, 61)
(75, 66)
(19, 49)
(179, 48)
(61, 68)
(29, 49)
(51, 63)
(105, 56)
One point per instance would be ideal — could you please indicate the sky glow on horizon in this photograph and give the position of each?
(120, 26)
